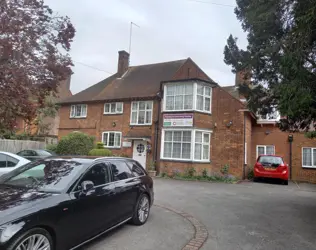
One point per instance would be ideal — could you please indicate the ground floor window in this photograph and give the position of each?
(265, 150)
(186, 145)
(309, 157)
(112, 139)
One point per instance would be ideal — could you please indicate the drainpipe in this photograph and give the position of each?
(157, 129)
(290, 138)
(244, 165)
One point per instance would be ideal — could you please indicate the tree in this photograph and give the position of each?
(280, 55)
(34, 46)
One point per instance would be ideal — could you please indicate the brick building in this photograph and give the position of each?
(172, 113)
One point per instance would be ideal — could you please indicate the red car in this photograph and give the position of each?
(271, 166)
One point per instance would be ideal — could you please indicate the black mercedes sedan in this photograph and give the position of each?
(62, 203)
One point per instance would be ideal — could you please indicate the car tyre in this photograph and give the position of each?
(37, 234)
(142, 210)
(255, 179)
(286, 182)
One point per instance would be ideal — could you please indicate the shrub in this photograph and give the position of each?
(250, 174)
(100, 152)
(100, 145)
(75, 143)
(204, 173)
(52, 147)
(191, 171)
(225, 169)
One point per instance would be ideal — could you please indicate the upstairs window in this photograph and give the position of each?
(141, 113)
(187, 96)
(113, 108)
(78, 111)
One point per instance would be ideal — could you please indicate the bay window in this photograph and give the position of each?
(112, 139)
(192, 145)
(309, 157)
(78, 111)
(113, 108)
(187, 96)
(141, 113)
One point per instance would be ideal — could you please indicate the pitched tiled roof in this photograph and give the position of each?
(139, 81)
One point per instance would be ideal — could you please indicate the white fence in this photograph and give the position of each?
(15, 146)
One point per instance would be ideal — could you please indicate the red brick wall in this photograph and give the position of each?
(271, 135)
(190, 70)
(249, 151)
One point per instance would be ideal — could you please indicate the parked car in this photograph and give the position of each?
(35, 154)
(9, 161)
(62, 203)
(271, 166)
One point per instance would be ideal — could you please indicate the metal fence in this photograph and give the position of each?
(14, 146)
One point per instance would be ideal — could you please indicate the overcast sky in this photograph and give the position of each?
(169, 30)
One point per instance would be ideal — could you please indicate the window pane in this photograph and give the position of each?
(314, 157)
(3, 161)
(98, 174)
(199, 102)
(170, 90)
(11, 162)
(117, 140)
(198, 136)
(149, 105)
(111, 139)
(137, 170)
(270, 150)
(72, 111)
(188, 101)
(170, 103)
(141, 117)
(179, 102)
(78, 110)
(198, 151)
(134, 117)
(105, 139)
(148, 117)
(207, 91)
(177, 136)
(121, 171)
(307, 157)
(84, 110)
(113, 107)
(207, 104)
(119, 107)
(142, 105)
(205, 152)
(186, 136)
(134, 106)
(200, 89)
(206, 137)
(168, 136)
(261, 151)
(106, 108)
(186, 151)
(179, 90)
(176, 152)
(188, 89)
(167, 149)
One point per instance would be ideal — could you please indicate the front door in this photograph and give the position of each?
(139, 152)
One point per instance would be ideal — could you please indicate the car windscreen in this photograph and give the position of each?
(43, 153)
(45, 175)
(270, 160)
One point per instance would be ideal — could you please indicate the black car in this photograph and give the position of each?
(62, 203)
(35, 154)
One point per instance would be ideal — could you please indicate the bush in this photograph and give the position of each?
(52, 147)
(204, 173)
(75, 143)
(250, 174)
(225, 169)
(100, 145)
(191, 171)
(100, 152)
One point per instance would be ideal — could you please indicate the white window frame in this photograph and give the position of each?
(261, 120)
(312, 157)
(116, 111)
(194, 104)
(114, 132)
(73, 111)
(146, 110)
(265, 149)
(192, 158)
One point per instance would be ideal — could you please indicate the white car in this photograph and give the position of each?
(9, 161)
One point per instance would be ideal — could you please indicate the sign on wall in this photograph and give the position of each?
(178, 120)
(127, 144)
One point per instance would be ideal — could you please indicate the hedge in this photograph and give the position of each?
(75, 143)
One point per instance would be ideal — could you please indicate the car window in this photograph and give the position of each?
(120, 170)
(11, 162)
(270, 160)
(48, 175)
(22, 153)
(98, 174)
(43, 153)
(3, 161)
(137, 170)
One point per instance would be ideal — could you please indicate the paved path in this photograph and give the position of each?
(164, 230)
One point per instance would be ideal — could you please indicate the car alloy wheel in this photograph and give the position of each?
(143, 209)
(35, 242)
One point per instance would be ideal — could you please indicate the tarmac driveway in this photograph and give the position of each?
(245, 216)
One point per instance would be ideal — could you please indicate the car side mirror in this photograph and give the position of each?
(86, 186)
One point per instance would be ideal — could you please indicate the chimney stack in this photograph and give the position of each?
(123, 62)
(243, 77)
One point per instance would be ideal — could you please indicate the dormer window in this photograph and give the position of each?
(272, 117)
